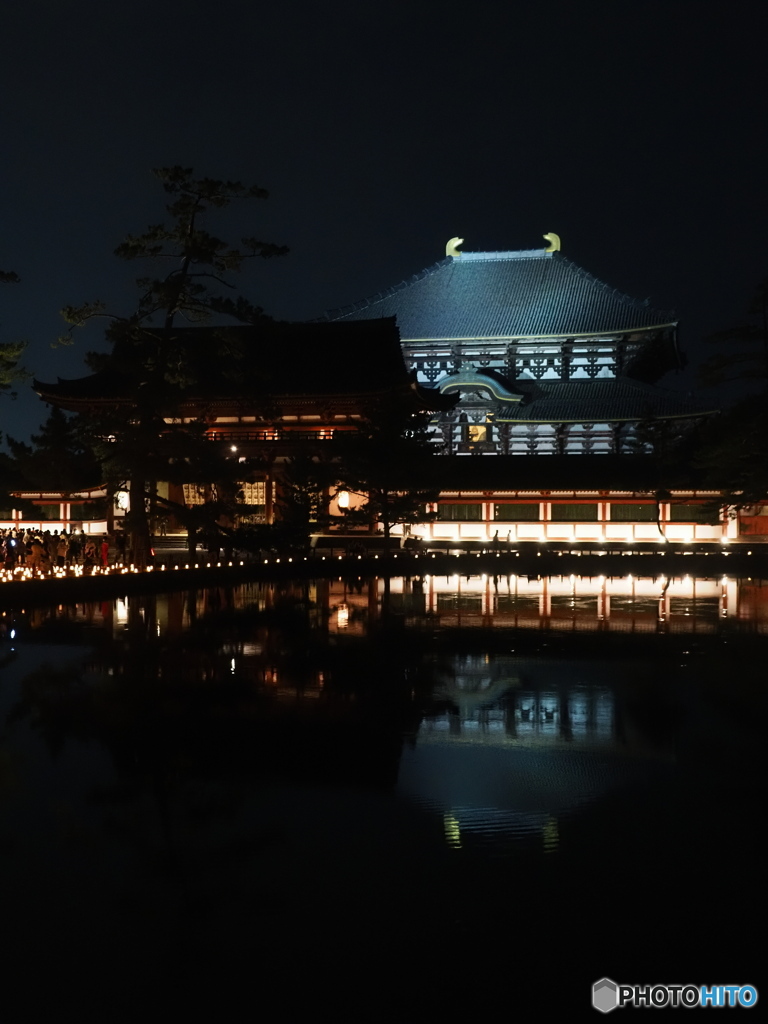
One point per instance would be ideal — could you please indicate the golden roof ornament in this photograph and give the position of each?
(451, 248)
(554, 242)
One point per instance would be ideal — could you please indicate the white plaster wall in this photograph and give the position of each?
(588, 531)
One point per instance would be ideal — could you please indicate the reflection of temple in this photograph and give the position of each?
(578, 603)
(493, 699)
(311, 677)
(628, 604)
(512, 747)
(350, 607)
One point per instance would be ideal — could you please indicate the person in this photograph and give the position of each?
(213, 543)
(61, 550)
(74, 548)
(51, 544)
(105, 552)
(9, 550)
(89, 552)
(37, 558)
(120, 545)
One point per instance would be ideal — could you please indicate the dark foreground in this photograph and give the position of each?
(246, 810)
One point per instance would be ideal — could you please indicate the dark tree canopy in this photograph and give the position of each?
(733, 454)
(732, 449)
(147, 353)
(393, 463)
(195, 288)
(11, 370)
(58, 459)
(302, 501)
(743, 348)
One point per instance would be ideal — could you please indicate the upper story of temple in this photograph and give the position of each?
(544, 357)
(526, 315)
(514, 353)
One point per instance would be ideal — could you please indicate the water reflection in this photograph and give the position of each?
(625, 604)
(352, 750)
(352, 606)
(492, 700)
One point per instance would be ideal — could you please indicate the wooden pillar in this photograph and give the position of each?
(269, 492)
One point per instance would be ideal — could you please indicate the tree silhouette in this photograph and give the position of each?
(392, 462)
(744, 347)
(58, 458)
(732, 448)
(150, 355)
(11, 370)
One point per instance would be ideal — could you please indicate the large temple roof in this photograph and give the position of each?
(274, 358)
(528, 294)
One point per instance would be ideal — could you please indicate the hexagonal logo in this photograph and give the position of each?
(605, 995)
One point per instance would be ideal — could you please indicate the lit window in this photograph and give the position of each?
(194, 494)
(517, 512)
(454, 512)
(254, 492)
(567, 513)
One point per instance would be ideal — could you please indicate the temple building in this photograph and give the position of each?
(547, 359)
(287, 389)
(513, 354)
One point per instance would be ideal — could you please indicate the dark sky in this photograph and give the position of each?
(635, 131)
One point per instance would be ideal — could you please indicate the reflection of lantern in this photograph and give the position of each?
(343, 499)
(343, 616)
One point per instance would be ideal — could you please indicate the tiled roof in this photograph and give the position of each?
(596, 401)
(273, 358)
(525, 294)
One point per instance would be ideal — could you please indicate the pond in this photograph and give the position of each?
(428, 791)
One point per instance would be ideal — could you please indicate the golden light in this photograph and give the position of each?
(452, 830)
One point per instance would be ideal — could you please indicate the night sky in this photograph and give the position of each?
(634, 131)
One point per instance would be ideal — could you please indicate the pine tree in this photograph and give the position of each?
(149, 354)
(58, 459)
(303, 499)
(732, 448)
(743, 354)
(11, 370)
(391, 461)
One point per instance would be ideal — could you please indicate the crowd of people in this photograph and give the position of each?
(45, 549)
